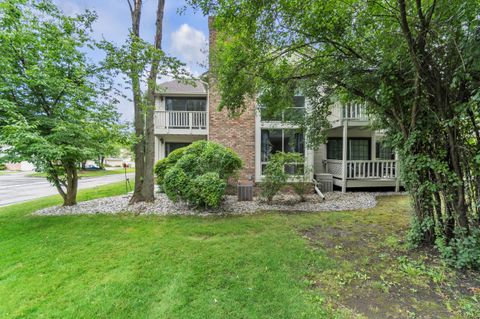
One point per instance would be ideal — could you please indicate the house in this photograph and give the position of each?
(353, 157)
(20, 166)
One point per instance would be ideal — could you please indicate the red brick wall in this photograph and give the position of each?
(237, 133)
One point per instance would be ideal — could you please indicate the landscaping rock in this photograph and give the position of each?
(334, 201)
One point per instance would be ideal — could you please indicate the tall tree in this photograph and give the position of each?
(139, 59)
(414, 63)
(53, 102)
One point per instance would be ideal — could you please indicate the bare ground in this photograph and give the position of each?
(377, 276)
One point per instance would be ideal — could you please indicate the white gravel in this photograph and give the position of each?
(334, 201)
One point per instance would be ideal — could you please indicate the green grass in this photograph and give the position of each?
(124, 266)
(89, 173)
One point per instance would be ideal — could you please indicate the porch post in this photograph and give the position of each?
(397, 173)
(374, 146)
(344, 156)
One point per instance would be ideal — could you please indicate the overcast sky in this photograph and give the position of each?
(184, 36)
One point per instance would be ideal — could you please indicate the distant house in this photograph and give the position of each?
(20, 166)
(353, 157)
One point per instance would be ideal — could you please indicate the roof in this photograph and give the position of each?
(177, 87)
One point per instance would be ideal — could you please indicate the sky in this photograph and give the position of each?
(185, 35)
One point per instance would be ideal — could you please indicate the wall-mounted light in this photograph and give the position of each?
(161, 140)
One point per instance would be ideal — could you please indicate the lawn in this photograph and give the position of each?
(259, 266)
(92, 173)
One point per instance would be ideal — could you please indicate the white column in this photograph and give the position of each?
(374, 146)
(344, 156)
(397, 173)
(258, 149)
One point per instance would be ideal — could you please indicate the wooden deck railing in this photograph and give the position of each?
(349, 111)
(384, 169)
(190, 120)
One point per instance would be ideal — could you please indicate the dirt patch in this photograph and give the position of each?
(376, 276)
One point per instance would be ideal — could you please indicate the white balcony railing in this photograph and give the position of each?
(181, 122)
(383, 169)
(349, 111)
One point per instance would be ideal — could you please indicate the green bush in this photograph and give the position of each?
(176, 183)
(207, 190)
(463, 251)
(198, 173)
(302, 183)
(3, 167)
(162, 165)
(275, 176)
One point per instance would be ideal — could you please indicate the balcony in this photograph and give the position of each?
(354, 113)
(181, 122)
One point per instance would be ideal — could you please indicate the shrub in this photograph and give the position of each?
(3, 167)
(176, 184)
(302, 183)
(462, 251)
(275, 176)
(207, 190)
(162, 165)
(198, 173)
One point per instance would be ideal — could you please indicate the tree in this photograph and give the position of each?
(53, 102)
(414, 63)
(138, 59)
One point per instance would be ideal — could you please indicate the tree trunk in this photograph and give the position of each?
(72, 184)
(148, 182)
(139, 121)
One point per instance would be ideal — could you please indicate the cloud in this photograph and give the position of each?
(189, 44)
(69, 7)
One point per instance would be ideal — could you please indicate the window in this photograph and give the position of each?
(358, 148)
(334, 148)
(384, 152)
(281, 140)
(170, 147)
(185, 104)
(295, 113)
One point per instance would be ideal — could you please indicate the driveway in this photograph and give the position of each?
(18, 187)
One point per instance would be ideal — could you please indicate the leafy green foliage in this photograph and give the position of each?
(198, 173)
(302, 184)
(275, 177)
(207, 190)
(176, 184)
(463, 251)
(163, 165)
(414, 64)
(54, 106)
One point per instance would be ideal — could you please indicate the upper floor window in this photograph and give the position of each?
(294, 113)
(185, 104)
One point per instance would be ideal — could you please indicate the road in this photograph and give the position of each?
(18, 187)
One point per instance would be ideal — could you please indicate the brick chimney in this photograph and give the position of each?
(237, 133)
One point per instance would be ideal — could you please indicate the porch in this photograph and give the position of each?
(364, 173)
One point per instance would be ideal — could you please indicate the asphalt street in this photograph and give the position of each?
(18, 187)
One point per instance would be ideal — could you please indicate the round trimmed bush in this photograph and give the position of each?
(198, 173)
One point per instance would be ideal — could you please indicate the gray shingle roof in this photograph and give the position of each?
(176, 87)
